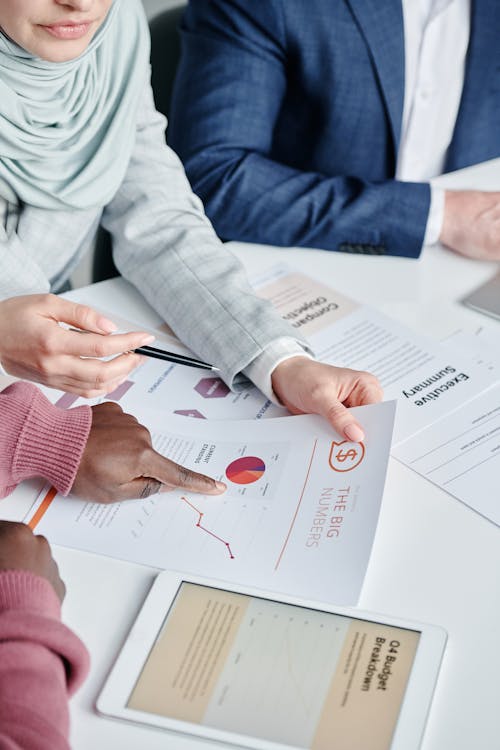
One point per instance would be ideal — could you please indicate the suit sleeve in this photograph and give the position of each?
(230, 87)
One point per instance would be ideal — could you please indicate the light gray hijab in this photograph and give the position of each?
(67, 129)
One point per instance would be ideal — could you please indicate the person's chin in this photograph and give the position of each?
(67, 53)
(63, 50)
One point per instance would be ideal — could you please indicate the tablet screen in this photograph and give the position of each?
(276, 671)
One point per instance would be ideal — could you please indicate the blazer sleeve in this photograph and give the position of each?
(230, 86)
(164, 244)
(19, 271)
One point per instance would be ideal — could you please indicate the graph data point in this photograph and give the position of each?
(199, 525)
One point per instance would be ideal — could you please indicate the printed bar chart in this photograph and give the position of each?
(67, 400)
(119, 392)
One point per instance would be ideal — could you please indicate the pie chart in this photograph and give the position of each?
(245, 470)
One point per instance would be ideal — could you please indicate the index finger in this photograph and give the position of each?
(83, 344)
(173, 476)
(81, 316)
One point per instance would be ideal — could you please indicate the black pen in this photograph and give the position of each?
(178, 359)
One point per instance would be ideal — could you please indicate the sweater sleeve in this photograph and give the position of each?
(41, 664)
(38, 439)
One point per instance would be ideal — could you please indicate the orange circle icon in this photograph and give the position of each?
(345, 456)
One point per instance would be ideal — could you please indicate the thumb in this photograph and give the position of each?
(82, 316)
(343, 421)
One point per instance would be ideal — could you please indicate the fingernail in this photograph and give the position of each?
(107, 325)
(221, 486)
(354, 433)
(147, 340)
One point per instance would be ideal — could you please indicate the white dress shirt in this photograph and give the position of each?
(436, 41)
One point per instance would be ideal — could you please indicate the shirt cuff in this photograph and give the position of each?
(436, 216)
(259, 371)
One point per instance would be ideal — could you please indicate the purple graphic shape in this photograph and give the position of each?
(119, 392)
(66, 401)
(212, 388)
(190, 413)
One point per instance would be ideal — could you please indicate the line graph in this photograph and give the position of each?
(204, 528)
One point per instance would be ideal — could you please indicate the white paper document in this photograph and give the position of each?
(174, 389)
(481, 343)
(432, 381)
(448, 419)
(428, 379)
(461, 454)
(299, 515)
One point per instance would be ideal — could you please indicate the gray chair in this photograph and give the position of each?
(165, 53)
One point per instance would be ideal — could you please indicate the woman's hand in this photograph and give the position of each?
(305, 386)
(119, 462)
(20, 549)
(33, 345)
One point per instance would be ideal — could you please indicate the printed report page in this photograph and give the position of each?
(428, 379)
(174, 388)
(461, 454)
(299, 514)
(277, 671)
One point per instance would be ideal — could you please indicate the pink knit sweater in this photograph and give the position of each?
(38, 439)
(41, 664)
(41, 661)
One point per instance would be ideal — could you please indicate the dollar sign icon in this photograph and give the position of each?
(345, 456)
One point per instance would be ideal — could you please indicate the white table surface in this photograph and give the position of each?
(433, 560)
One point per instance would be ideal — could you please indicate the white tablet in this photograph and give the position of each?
(236, 665)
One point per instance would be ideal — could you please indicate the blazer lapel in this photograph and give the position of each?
(382, 26)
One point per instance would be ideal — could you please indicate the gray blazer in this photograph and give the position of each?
(162, 243)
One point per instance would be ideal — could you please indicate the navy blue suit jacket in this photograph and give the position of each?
(287, 116)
